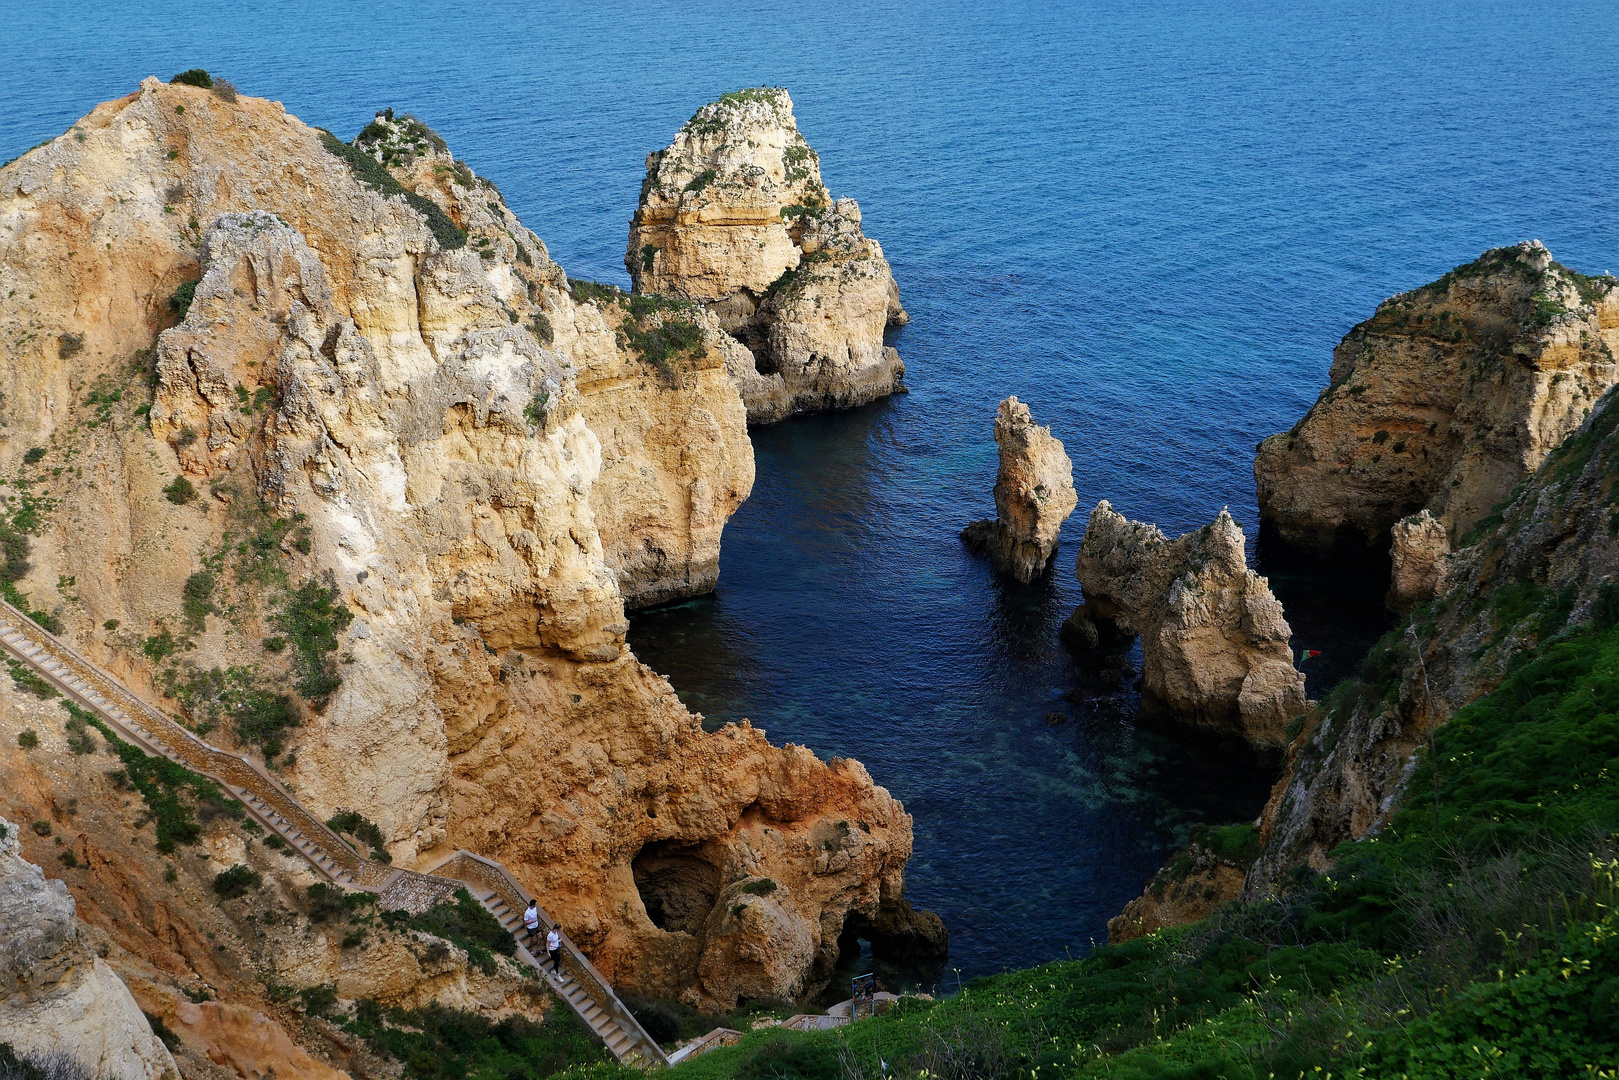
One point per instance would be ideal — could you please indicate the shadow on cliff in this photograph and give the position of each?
(1333, 599)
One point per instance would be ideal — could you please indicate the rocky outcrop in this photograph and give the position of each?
(57, 997)
(1445, 399)
(1420, 554)
(1189, 888)
(676, 461)
(386, 394)
(1034, 494)
(1214, 641)
(733, 215)
(1552, 554)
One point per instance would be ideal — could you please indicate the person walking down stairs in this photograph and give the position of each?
(531, 923)
(553, 945)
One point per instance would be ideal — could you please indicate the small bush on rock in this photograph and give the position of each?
(193, 77)
(229, 884)
(180, 491)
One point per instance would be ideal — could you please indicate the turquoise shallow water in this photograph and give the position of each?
(1152, 225)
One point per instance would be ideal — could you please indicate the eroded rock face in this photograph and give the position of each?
(1187, 890)
(418, 413)
(734, 215)
(1034, 494)
(1555, 544)
(1420, 554)
(1445, 399)
(57, 997)
(1214, 641)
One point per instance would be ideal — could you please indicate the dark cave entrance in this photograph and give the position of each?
(678, 886)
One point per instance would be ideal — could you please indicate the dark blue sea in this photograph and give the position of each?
(1151, 222)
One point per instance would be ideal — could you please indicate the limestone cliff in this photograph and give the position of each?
(366, 496)
(57, 997)
(224, 977)
(1419, 556)
(1548, 560)
(1214, 641)
(1445, 399)
(733, 215)
(1034, 494)
(1195, 881)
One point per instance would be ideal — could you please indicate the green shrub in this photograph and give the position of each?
(539, 325)
(196, 600)
(468, 924)
(318, 1000)
(538, 408)
(41, 828)
(169, 789)
(160, 646)
(368, 171)
(34, 456)
(193, 77)
(28, 681)
(79, 739)
(701, 181)
(361, 828)
(229, 884)
(593, 292)
(180, 302)
(440, 1042)
(164, 1033)
(27, 739)
(311, 617)
(761, 887)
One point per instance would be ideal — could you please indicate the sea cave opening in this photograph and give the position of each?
(678, 886)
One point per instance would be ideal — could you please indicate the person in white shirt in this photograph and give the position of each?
(553, 945)
(531, 921)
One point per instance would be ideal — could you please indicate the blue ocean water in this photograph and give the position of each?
(1151, 223)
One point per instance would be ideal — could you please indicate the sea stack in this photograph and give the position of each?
(1215, 643)
(1034, 494)
(733, 215)
(1446, 399)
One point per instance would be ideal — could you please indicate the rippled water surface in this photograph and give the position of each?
(1151, 223)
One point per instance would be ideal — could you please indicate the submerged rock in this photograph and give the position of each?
(1445, 399)
(1215, 642)
(733, 215)
(1420, 554)
(1034, 494)
(57, 997)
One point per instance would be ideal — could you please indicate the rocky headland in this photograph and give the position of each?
(1492, 384)
(342, 468)
(1215, 644)
(1034, 495)
(1445, 400)
(733, 215)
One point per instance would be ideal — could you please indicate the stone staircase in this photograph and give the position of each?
(269, 803)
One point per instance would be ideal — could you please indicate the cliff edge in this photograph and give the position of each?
(1445, 399)
(311, 427)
